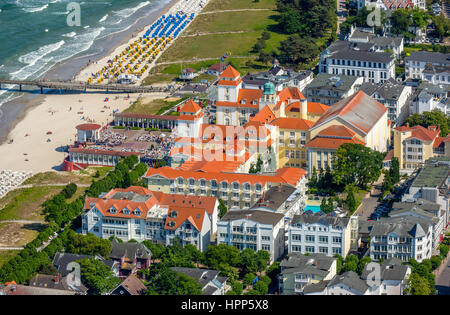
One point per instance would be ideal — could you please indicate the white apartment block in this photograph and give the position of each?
(140, 214)
(357, 59)
(432, 67)
(402, 238)
(255, 229)
(323, 234)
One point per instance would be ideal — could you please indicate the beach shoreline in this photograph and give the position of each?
(16, 114)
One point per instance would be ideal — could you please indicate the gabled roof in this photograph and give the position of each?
(133, 285)
(130, 251)
(312, 108)
(290, 93)
(264, 116)
(359, 110)
(351, 280)
(333, 137)
(230, 72)
(292, 123)
(337, 131)
(419, 132)
(190, 107)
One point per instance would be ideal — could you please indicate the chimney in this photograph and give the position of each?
(279, 188)
(407, 125)
(304, 108)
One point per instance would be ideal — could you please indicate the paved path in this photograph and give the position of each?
(11, 248)
(24, 221)
(213, 33)
(48, 185)
(443, 278)
(370, 202)
(200, 59)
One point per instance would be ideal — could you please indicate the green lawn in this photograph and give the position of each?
(6, 255)
(156, 106)
(215, 5)
(25, 204)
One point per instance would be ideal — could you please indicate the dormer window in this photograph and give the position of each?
(243, 101)
(126, 211)
(113, 211)
(137, 212)
(254, 102)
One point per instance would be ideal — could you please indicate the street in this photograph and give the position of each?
(369, 203)
(443, 280)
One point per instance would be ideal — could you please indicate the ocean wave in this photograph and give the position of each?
(32, 57)
(130, 11)
(103, 19)
(38, 9)
(70, 35)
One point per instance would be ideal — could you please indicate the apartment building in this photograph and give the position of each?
(292, 137)
(237, 190)
(281, 78)
(414, 145)
(357, 119)
(357, 59)
(402, 238)
(283, 199)
(429, 97)
(329, 89)
(432, 184)
(425, 210)
(140, 214)
(255, 229)
(323, 234)
(394, 96)
(432, 67)
(299, 271)
(380, 43)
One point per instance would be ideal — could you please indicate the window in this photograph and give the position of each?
(310, 238)
(323, 250)
(265, 247)
(296, 248)
(323, 239)
(309, 249)
(337, 239)
(296, 237)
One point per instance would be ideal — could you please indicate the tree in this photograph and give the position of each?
(165, 281)
(417, 285)
(394, 170)
(248, 279)
(351, 201)
(433, 118)
(97, 276)
(222, 208)
(259, 46)
(339, 263)
(441, 25)
(443, 249)
(351, 263)
(401, 21)
(435, 262)
(362, 264)
(298, 50)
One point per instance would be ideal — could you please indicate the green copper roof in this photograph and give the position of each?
(269, 88)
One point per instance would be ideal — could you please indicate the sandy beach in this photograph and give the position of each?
(31, 149)
(59, 114)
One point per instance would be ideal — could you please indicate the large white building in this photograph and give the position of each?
(357, 59)
(324, 234)
(140, 214)
(255, 229)
(432, 67)
(401, 237)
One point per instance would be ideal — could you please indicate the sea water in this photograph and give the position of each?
(35, 35)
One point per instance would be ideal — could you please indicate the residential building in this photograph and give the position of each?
(428, 66)
(280, 77)
(425, 210)
(356, 119)
(217, 69)
(58, 283)
(255, 229)
(131, 257)
(322, 233)
(140, 214)
(299, 271)
(432, 184)
(130, 286)
(393, 278)
(188, 74)
(283, 199)
(390, 5)
(348, 283)
(292, 137)
(429, 97)
(357, 59)
(329, 89)
(394, 96)
(63, 262)
(208, 279)
(381, 43)
(19, 289)
(237, 190)
(414, 145)
(402, 238)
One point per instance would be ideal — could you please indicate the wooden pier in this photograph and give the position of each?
(82, 86)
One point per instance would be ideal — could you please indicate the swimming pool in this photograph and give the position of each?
(312, 208)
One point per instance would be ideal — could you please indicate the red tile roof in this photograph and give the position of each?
(290, 93)
(247, 95)
(86, 127)
(422, 133)
(292, 123)
(313, 108)
(337, 131)
(167, 172)
(190, 107)
(359, 110)
(230, 72)
(264, 116)
(102, 152)
(331, 143)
